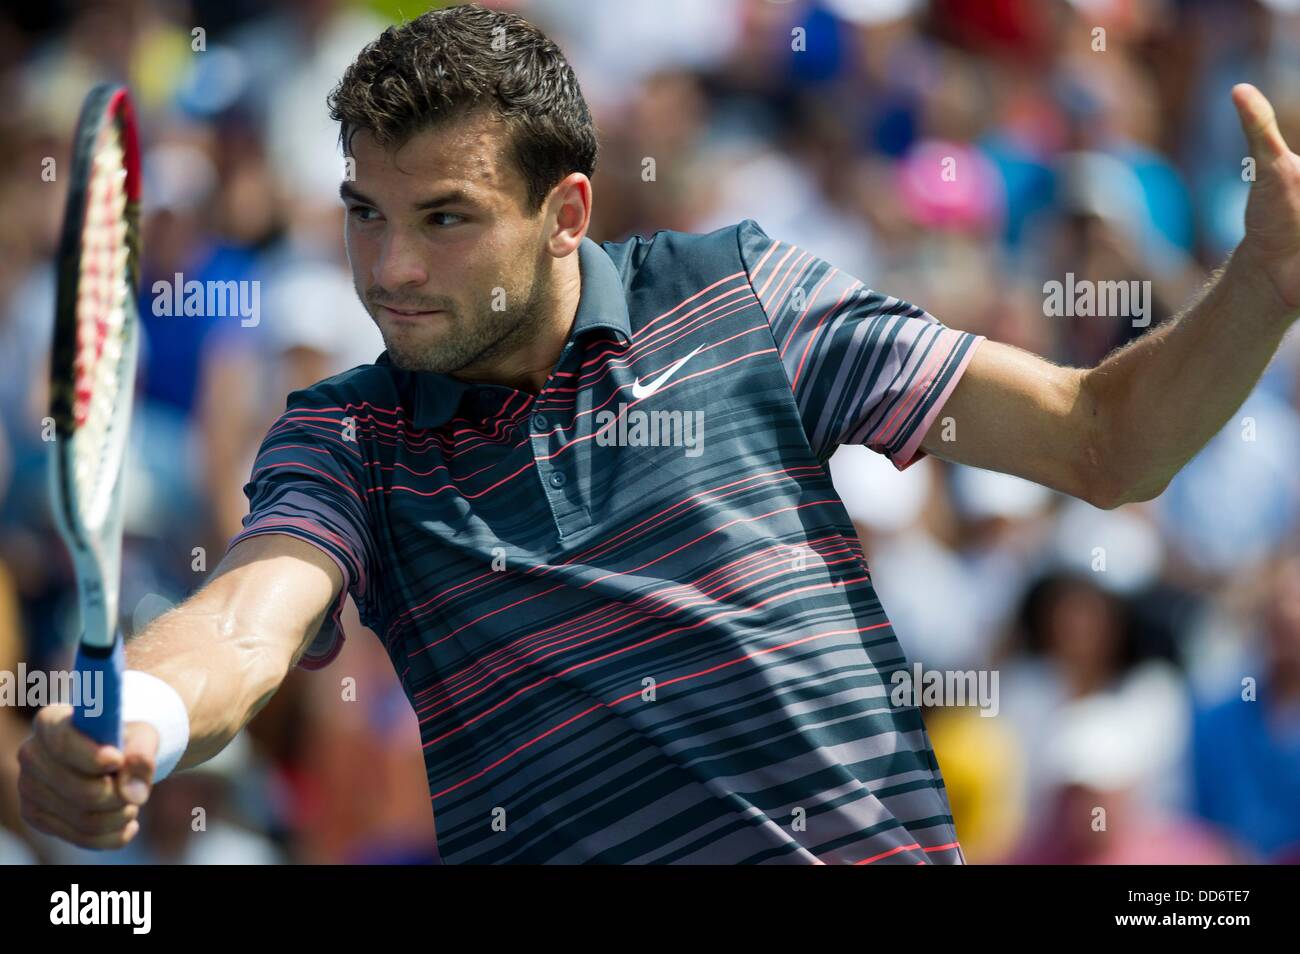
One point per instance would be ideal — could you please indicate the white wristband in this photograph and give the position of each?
(146, 698)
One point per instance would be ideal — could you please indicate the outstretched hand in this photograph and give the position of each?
(1272, 242)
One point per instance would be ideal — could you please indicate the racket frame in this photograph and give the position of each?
(92, 529)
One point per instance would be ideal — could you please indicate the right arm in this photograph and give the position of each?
(225, 651)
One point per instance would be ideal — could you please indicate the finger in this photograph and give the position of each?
(56, 732)
(140, 759)
(41, 799)
(91, 792)
(52, 825)
(1258, 122)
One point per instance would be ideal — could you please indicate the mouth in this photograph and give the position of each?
(407, 314)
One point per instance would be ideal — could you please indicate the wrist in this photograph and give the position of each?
(146, 698)
(1254, 286)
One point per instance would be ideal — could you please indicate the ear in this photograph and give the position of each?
(568, 213)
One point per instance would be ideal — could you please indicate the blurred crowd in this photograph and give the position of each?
(1148, 658)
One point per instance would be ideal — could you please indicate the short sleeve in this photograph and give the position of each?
(865, 368)
(306, 483)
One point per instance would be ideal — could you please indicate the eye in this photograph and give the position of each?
(438, 218)
(362, 213)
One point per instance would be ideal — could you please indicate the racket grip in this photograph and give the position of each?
(100, 669)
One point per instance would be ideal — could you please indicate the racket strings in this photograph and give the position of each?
(101, 308)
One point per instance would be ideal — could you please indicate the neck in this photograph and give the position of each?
(528, 364)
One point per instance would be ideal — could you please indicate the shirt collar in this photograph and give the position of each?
(602, 303)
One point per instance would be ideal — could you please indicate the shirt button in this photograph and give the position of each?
(540, 422)
(557, 479)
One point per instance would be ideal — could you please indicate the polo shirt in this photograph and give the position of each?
(631, 612)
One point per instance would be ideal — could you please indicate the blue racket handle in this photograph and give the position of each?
(101, 687)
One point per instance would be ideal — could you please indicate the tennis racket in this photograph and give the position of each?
(92, 375)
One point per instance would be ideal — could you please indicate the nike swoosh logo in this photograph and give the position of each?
(640, 390)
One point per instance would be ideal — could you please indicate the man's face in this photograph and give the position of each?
(445, 256)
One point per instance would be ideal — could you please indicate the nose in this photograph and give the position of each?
(400, 263)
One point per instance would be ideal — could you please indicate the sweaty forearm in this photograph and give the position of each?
(216, 662)
(1161, 398)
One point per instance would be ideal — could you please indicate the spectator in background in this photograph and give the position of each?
(1094, 808)
(1238, 500)
(1079, 648)
(1246, 747)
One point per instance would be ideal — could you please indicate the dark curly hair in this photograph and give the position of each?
(446, 62)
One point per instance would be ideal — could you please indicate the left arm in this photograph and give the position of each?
(1119, 432)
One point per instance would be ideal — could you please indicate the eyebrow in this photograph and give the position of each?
(348, 192)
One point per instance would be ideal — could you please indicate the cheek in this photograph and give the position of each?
(465, 281)
(361, 254)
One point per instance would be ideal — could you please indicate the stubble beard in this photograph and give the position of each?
(485, 336)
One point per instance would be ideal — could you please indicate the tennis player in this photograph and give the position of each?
(582, 496)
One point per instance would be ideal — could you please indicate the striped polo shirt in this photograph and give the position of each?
(631, 612)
